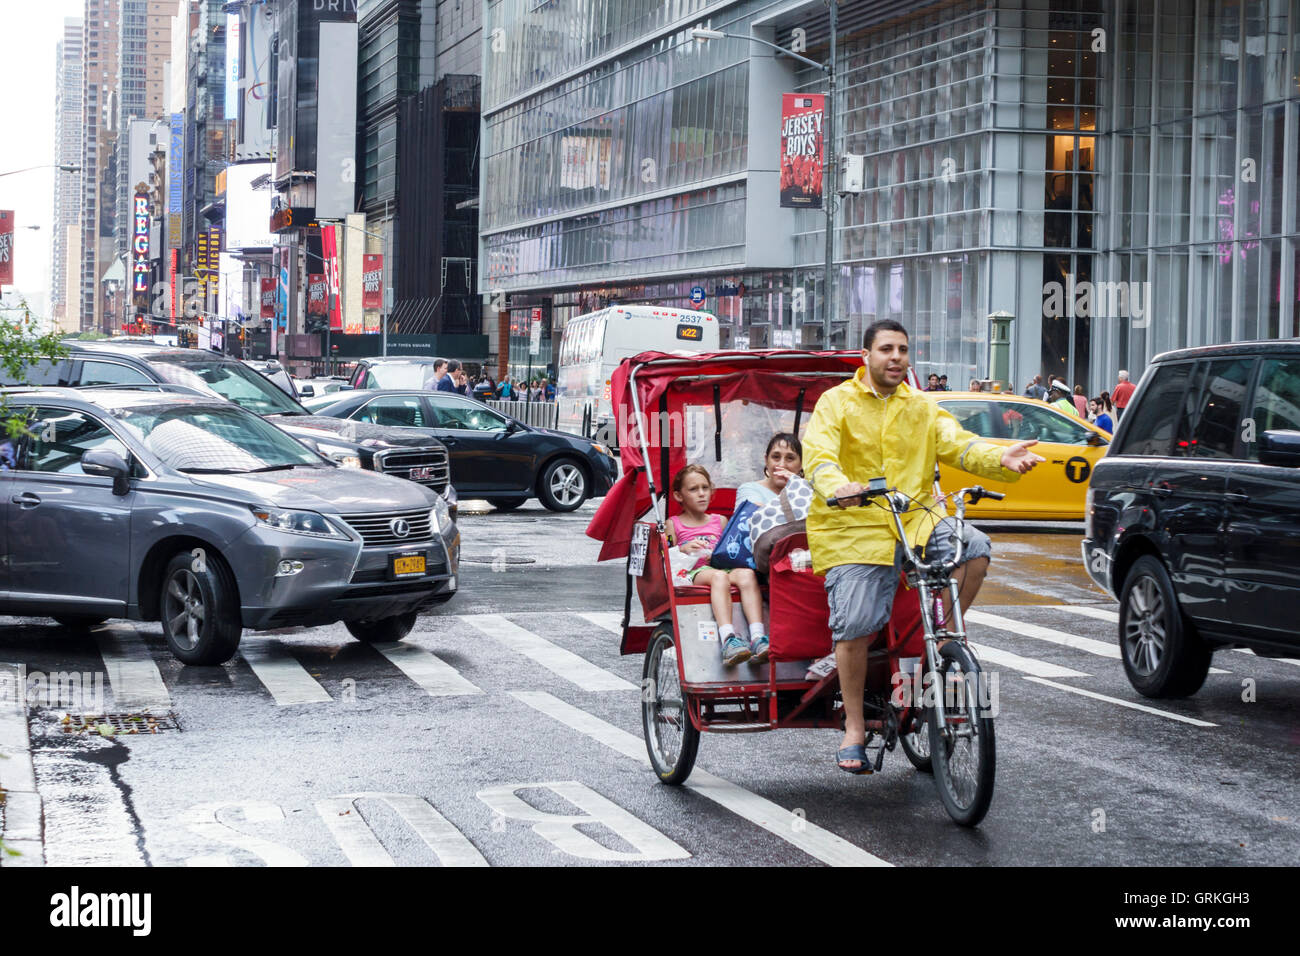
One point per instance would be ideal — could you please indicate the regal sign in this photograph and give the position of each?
(140, 245)
(6, 247)
(289, 217)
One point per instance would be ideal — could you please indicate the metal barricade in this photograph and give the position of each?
(537, 414)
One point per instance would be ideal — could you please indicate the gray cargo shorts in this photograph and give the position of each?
(861, 596)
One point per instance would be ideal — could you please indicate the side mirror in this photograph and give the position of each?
(1279, 447)
(103, 463)
(1094, 439)
(513, 426)
(307, 391)
(311, 444)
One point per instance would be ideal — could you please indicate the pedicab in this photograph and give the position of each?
(924, 691)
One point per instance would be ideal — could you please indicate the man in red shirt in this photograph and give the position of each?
(1119, 397)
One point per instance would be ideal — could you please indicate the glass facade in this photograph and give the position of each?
(1203, 105)
(1120, 175)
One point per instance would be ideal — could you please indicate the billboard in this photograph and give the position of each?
(372, 282)
(317, 300)
(802, 153)
(584, 161)
(305, 83)
(6, 247)
(248, 210)
(175, 180)
(336, 126)
(254, 130)
(330, 250)
(267, 297)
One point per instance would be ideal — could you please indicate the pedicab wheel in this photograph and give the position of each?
(670, 736)
(916, 744)
(963, 752)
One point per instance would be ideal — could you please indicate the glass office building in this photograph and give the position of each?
(1120, 175)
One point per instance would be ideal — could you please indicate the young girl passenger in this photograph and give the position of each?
(695, 531)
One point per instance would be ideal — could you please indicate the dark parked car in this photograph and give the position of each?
(1193, 520)
(493, 456)
(140, 363)
(192, 511)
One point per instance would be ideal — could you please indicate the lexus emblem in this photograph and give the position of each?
(400, 527)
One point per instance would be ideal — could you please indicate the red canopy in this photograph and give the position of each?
(667, 383)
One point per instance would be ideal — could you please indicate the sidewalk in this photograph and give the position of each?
(20, 809)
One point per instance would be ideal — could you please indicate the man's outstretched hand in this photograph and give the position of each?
(1019, 458)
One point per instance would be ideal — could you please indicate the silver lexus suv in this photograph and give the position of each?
(197, 513)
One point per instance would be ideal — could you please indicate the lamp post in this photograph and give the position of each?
(828, 280)
(65, 167)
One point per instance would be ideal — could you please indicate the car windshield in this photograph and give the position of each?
(214, 439)
(233, 381)
(402, 376)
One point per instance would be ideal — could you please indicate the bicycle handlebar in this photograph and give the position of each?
(976, 493)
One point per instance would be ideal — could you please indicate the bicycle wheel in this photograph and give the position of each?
(963, 751)
(670, 737)
(916, 743)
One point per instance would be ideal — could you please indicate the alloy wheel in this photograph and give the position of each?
(1144, 630)
(185, 610)
(567, 484)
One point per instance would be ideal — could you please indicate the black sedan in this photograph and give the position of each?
(493, 456)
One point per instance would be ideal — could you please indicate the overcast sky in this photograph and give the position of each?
(31, 30)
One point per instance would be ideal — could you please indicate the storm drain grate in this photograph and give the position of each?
(114, 724)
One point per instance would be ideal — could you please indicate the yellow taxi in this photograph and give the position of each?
(1054, 490)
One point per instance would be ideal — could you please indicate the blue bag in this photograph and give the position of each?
(733, 548)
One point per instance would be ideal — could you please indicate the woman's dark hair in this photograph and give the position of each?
(1104, 398)
(883, 325)
(786, 438)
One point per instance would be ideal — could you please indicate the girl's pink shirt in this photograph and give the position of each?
(709, 532)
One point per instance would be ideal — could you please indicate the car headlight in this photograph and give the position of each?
(440, 515)
(602, 449)
(340, 453)
(297, 522)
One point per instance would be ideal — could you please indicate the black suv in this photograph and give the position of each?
(136, 363)
(1193, 517)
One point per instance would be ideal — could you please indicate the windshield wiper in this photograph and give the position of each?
(234, 471)
(272, 468)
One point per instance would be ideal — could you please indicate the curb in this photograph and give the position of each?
(21, 822)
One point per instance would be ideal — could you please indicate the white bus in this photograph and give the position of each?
(594, 344)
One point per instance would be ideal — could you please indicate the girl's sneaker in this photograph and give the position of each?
(759, 650)
(735, 651)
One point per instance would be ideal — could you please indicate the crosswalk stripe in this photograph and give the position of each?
(775, 819)
(1123, 703)
(1087, 610)
(1111, 617)
(1028, 665)
(557, 660)
(281, 674)
(1284, 660)
(136, 681)
(606, 620)
(430, 672)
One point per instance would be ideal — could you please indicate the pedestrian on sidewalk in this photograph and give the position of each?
(1035, 389)
(1121, 394)
(1080, 399)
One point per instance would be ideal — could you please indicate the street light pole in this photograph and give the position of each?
(829, 194)
(65, 167)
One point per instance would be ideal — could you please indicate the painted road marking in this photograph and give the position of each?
(609, 621)
(557, 660)
(1111, 617)
(808, 837)
(1123, 703)
(1284, 660)
(430, 672)
(1015, 662)
(136, 681)
(281, 674)
(362, 848)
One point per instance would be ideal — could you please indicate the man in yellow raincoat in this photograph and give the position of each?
(876, 425)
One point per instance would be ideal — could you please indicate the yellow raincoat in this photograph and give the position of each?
(856, 435)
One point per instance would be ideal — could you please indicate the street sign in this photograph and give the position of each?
(636, 554)
(535, 333)
(697, 295)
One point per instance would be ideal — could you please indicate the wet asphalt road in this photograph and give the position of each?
(513, 704)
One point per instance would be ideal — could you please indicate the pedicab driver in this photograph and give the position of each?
(873, 425)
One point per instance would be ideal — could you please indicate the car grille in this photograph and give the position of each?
(377, 528)
(401, 463)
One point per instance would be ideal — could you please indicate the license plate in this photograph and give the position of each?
(421, 474)
(406, 565)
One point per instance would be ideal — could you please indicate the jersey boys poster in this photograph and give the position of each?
(801, 150)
